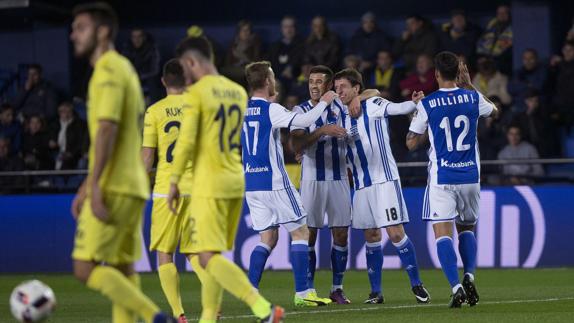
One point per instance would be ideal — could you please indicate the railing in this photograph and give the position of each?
(28, 181)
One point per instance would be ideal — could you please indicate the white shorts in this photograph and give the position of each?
(269, 209)
(448, 202)
(379, 205)
(331, 197)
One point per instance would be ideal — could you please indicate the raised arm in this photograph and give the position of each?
(487, 108)
(418, 134)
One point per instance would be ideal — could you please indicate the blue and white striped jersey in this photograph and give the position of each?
(325, 159)
(369, 151)
(451, 116)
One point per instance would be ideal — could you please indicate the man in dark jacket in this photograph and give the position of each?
(68, 136)
(417, 39)
(144, 55)
(563, 70)
(38, 97)
(10, 128)
(322, 46)
(531, 76)
(367, 41)
(286, 55)
(459, 36)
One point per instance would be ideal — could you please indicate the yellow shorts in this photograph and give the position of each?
(167, 229)
(116, 242)
(213, 224)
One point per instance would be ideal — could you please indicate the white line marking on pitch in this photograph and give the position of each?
(383, 307)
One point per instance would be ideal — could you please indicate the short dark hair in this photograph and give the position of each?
(36, 67)
(6, 106)
(257, 73)
(351, 75)
(102, 13)
(458, 12)
(322, 69)
(173, 74)
(531, 50)
(446, 64)
(199, 44)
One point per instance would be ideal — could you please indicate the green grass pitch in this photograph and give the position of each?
(514, 295)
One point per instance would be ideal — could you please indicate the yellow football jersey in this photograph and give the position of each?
(210, 138)
(161, 128)
(114, 93)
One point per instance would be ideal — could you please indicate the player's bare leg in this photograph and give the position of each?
(339, 255)
(374, 255)
(169, 280)
(407, 253)
(260, 254)
(467, 250)
(447, 258)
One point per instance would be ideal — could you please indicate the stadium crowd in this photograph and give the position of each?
(41, 131)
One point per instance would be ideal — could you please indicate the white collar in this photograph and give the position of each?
(448, 89)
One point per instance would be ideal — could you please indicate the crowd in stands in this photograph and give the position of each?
(39, 132)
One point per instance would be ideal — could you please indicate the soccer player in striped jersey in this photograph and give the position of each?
(450, 115)
(324, 183)
(270, 195)
(378, 200)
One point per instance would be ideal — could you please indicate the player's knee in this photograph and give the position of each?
(301, 233)
(340, 236)
(82, 274)
(312, 236)
(204, 259)
(396, 233)
(373, 235)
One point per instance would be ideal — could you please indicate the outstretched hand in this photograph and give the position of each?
(329, 97)
(417, 96)
(463, 77)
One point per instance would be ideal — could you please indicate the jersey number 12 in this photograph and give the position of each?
(459, 121)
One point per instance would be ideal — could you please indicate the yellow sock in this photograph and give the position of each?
(169, 280)
(234, 280)
(121, 314)
(121, 291)
(211, 293)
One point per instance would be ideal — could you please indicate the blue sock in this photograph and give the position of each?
(447, 259)
(300, 263)
(339, 263)
(312, 265)
(407, 253)
(257, 262)
(374, 265)
(467, 250)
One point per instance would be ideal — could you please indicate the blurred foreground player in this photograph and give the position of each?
(110, 203)
(209, 138)
(450, 115)
(161, 128)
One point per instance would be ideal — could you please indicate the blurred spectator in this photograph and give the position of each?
(385, 76)
(36, 147)
(517, 149)
(246, 48)
(459, 35)
(10, 128)
(9, 162)
(197, 31)
(144, 55)
(422, 80)
(68, 136)
(301, 86)
(290, 101)
(418, 38)
(322, 46)
(352, 61)
(496, 40)
(37, 97)
(492, 130)
(531, 76)
(490, 81)
(563, 79)
(286, 54)
(367, 41)
(537, 127)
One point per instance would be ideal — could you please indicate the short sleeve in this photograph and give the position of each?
(297, 109)
(484, 107)
(110, 91)
(280, 116)
(150, 130)
(419, 123)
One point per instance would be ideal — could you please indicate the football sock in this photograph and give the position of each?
(121, 291)
(169, 280)
(300, 263)
(374, 254)
(233, 279)
(257, 262)
(407, 253)
(338, 264)
(467, 250)
(447, 258)
(211, 292)
(312, 266)
(121, 314)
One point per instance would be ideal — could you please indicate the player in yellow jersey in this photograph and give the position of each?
(109, 204)
(161, 127)
(209, 137)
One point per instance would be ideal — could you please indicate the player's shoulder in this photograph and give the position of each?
(114, 64)
(303, 107)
